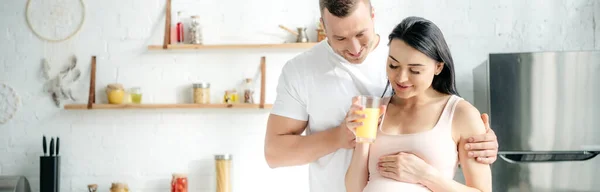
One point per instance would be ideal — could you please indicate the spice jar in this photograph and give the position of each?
(248, 91)
(119, 187)
(230, 97)
(179, 183)
(115, 93)
(195, 30)
(223, 168)
(135, 95)
(202, 93)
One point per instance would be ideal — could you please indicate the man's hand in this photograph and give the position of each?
(484, 148)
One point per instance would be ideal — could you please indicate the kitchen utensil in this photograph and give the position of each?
(302, 36)
(300, 33)
(51, 146)
(45, 146)
(92, 187)
(289, 30)
(57, 145)
(50, 172)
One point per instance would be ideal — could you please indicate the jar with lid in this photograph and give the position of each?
(230, 97)
(135, 94)
(195, 30)
(115, 93)
(223, 169)
(248, 91)
(119, 187)
(179, 183)
(202, 93)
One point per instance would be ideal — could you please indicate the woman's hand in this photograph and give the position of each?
(405, 167)
(350, 122)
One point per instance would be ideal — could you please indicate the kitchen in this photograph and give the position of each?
(145, 147)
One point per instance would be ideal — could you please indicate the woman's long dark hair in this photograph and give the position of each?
(424, 36)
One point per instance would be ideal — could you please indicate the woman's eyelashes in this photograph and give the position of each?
(411, 70)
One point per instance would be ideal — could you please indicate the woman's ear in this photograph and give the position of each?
(438, 68)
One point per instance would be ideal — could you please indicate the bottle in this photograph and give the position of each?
(248, 91)
(230, 96)
(179, 28)
(195, 30)
(179, 183)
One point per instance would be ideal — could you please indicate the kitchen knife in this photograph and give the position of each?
(45, 146)
(51, 146)
(57, 145)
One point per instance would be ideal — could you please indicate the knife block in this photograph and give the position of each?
(49, 173)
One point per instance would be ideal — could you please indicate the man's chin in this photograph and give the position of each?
(355, 60)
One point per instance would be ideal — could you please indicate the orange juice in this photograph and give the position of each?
(368, 131)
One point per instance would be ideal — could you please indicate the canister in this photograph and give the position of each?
(223, 168)
(179, 182)
(196, 30)
(201, 93)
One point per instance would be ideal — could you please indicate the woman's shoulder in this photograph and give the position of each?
(467, 119)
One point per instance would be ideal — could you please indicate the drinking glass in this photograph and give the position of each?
(367, 132)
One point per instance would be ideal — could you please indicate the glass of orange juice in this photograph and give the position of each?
(367, 132)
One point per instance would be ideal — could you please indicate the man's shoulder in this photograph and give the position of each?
(308, 60)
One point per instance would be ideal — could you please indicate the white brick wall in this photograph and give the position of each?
(143, 147)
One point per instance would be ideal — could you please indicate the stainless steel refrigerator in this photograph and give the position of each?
(545, 109)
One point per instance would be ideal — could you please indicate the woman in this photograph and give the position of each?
(420, 139)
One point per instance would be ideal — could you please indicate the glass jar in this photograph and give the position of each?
(119, 187)
(230, 96)
(179, 183)
(202, 93)
(223, 169)
(195, 30)
(136, 95)
(248, 91)
(115, 93)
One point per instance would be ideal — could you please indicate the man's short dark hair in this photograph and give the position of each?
(340, 8)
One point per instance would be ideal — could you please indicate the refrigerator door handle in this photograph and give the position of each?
(546, 156)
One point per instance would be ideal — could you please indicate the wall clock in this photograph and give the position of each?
(55, 20)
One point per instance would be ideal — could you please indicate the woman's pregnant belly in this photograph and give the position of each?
(388, 185)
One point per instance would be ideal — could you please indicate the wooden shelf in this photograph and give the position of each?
(234, 46)
(165, 106)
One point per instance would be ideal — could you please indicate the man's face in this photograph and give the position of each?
(351, 36)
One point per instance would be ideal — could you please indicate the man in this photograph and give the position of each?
(315, 91)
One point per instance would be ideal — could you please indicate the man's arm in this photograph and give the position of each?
(284, 146)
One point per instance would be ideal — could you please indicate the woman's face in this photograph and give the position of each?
(409, 71)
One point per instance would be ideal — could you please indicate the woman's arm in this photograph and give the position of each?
(478, 176)
(358, 172)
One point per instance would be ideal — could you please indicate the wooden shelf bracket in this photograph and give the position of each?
(263, 74)
(167, 38)
(92, 93)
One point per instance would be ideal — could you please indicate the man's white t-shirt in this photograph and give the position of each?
(317, 86)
